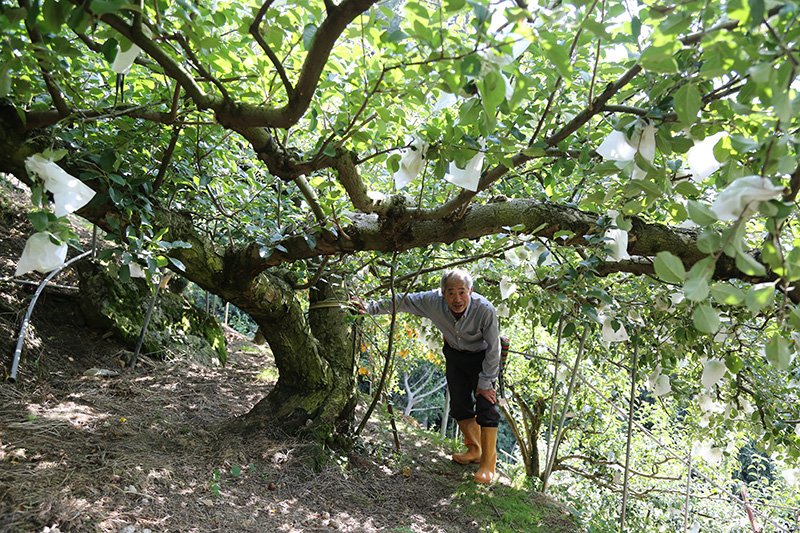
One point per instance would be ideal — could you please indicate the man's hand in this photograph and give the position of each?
(489, 394)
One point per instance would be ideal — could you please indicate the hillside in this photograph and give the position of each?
(148, 450)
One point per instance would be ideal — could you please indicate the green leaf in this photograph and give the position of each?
(110, 161)
(311, 241)
(309, 32)
(705, 318)
(180, 266)
(760, 72)
(696, 286)
(115, 195)
(669, 268)
(39, 220)
(102, 7)
(396, 36)
(725, 293)
(5, 80)
(747, 264)
(54, 15)
(14, 15)
(756, 12)
(624, 224)
(734, 363)
(557, 53)
(634, 207)
(78, 20)
(793, 264)
(709, 241)
(597, 29)
(794, 317)
(649, 187)
(737, 10)
(701, 214)
(778, 353)
(769, 254)
(109, 49)
(782, 105)
(636, 28)
(312, 125)
(659, 60)
(125, 273)
(686, 188)
(493, 91)
(760, 296)
(687, 102)
(468, 112)
(696, 289)
(681, 144)
(454, 5)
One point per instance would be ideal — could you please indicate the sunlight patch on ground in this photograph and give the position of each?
(45, 465)
(162, 473)
(70, 412)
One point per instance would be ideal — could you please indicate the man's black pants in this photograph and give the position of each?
(462, 369)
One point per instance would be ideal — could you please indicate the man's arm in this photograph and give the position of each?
(491, 361)
(416, 303)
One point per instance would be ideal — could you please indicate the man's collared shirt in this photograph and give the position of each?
(476, 330)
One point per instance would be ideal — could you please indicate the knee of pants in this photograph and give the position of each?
(461, 413)
(487, 413)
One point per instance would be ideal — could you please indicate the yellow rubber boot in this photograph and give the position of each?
(472, 440)
(488, 457)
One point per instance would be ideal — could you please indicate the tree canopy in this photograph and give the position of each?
(257, 148)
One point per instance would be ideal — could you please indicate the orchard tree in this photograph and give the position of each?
(261, 149)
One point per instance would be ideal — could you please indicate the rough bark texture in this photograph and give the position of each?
(316, 389)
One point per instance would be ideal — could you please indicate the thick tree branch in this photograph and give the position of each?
(42, 118)
(242, 116)
(399, 231)
(368, 232)
(256, 33)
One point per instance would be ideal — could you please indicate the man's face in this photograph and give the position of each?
(456, 294)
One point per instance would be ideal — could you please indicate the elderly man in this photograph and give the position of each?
(468, 322)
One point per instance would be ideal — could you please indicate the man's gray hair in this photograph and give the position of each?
(455, 273)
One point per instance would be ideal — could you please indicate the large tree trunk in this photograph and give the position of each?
(316, 388)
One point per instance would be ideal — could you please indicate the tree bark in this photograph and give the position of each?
(316, 388)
